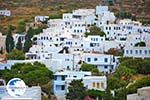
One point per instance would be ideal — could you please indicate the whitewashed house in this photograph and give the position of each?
(86, 15)
(40, 18)
(131, 50)
(105, 63)
(56, 25)
(16, 38)
(5, 12)
(104, 16)
(34, 90)
(90, 44)
(62, 80)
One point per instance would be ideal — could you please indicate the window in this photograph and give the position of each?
(68, 68)
(96, 39)
(109, 28)
(63, 78)
(136, 51)
(106, 28)
(5, 67)
(94, 84)
(112, 67)
(91, 45)
(130, 51)
(127, 51)
(145, 51)
(95, 59)
(140, 51)
(102, 85)
(105, 67)
(98, 85)
(63, 87)
(66, 59)
(55, 77)
(89, 59)
(105, 60)
(74, 76)
(107, 32)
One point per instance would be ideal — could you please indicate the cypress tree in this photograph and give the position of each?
(19, 44)
(28, 41)
(9, 40)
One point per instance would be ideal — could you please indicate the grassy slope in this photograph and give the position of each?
(27, 9)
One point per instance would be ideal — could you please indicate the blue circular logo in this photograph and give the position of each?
(16, 87)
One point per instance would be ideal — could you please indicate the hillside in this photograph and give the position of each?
(27, 9)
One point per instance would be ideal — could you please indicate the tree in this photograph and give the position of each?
(143, 82)
(123, 15)
(94, 30)
(19, 44)
(1, 50)
(141, 66)
(124, 72)
(77, 91)
(87, 67)
(21, 25)
(33, 74)
(9, 40)
(28, 41)
(141, 44)
(115, 52)
(91, 68)
(16, 55)
(95, 93)
(116, 83)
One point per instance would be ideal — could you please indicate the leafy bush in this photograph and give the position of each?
(33, 74)
(91, 68)
(16, 55)
(140, 44)
(138, 84)
(94, 30)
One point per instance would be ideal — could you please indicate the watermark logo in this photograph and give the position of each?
(16, 87)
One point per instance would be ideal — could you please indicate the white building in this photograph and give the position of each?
(85, 15)
(40, 18)
(62, 80)
(35, 91)
(142, 94)
(105, 63)
(56, 26)
(2, 41)
(104, 16)
(5, 12)
(16, 38)
(131, 50)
